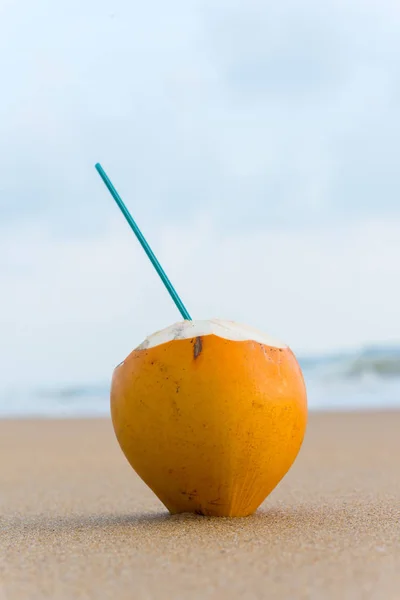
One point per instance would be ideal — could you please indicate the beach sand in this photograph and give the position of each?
(76, 522)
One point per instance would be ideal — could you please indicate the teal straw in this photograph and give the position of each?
(179, 304)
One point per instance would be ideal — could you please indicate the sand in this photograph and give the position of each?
(76, 522)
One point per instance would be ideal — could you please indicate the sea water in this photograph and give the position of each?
(364, 380)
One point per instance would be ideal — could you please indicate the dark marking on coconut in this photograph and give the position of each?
(198, 347)
(178, 387)
(190, 495)
(175, 409)
(216, 502)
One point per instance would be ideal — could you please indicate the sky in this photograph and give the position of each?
(255, 143)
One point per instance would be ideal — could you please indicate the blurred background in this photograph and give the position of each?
(255, 143)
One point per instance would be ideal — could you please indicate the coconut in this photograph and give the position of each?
(210, 414)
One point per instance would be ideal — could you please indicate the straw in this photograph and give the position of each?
(179, 304)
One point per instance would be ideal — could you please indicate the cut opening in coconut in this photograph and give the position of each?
(228, 330)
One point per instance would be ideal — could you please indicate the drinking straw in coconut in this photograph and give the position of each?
(178, 302)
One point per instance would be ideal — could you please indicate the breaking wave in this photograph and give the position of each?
(370, 362)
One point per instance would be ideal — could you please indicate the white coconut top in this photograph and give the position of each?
(227, 330)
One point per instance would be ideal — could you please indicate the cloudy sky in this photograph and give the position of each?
(256, 144)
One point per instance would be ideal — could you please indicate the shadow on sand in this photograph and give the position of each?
(290, 521)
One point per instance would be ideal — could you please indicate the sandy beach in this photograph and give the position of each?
(76, 522)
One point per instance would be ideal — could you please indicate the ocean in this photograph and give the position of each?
(365, 380)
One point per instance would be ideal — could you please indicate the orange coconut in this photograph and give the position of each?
(210, 414)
